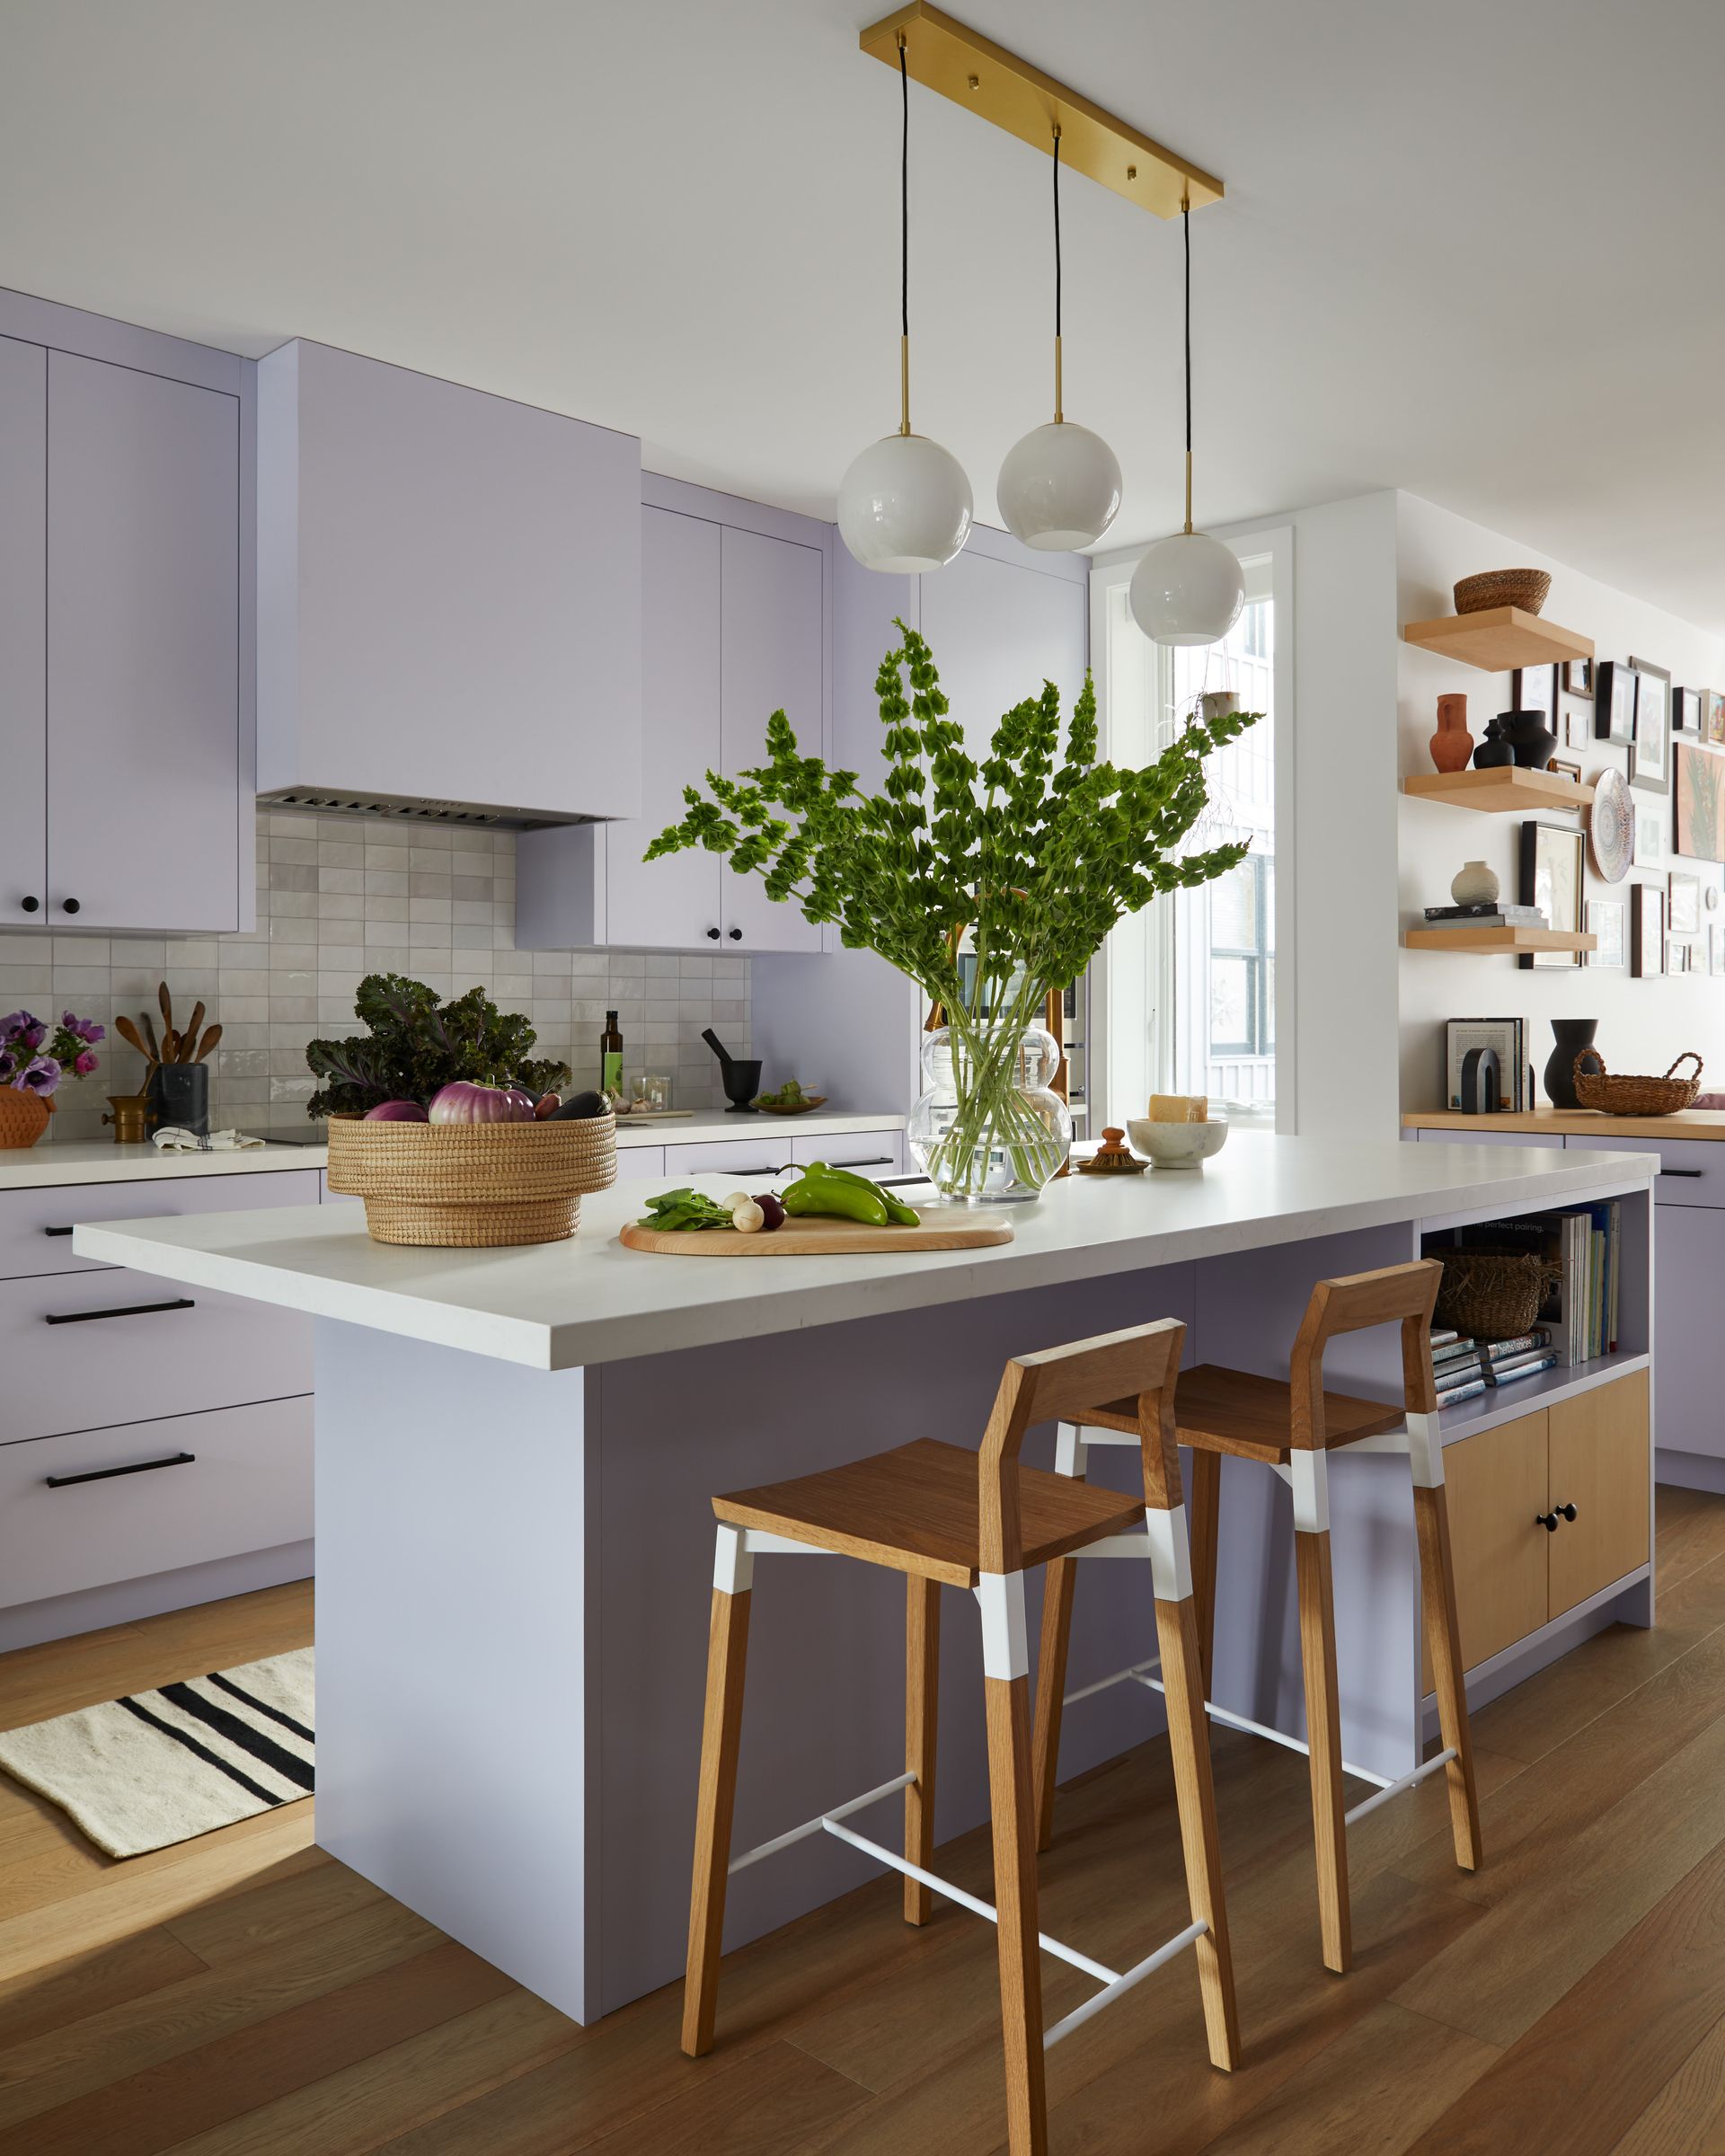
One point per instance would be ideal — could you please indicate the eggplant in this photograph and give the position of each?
(578, 1109)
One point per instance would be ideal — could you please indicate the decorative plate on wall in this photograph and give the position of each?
(1611, 825)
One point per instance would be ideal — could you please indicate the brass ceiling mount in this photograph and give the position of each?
(984, 79)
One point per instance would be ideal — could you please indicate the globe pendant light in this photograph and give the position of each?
(904, 507)
(1060, 486)
(1188, 589)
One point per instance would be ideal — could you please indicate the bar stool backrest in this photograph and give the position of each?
(1062, 1385)
(1407, 1294)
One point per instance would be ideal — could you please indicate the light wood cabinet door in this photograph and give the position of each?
(1496, 1484)
(1598, 1464)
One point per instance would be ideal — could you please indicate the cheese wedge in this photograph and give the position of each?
(1179, 1108)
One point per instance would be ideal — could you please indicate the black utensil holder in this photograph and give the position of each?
(178, 1096)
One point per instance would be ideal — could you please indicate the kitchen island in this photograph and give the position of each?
(515, 1451)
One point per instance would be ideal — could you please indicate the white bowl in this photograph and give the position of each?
(1178, 1145)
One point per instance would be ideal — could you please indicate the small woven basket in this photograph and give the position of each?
(1491, 1295)
(1524, 588)
(1635, 1096)
(24, 1116)
(473, 1186)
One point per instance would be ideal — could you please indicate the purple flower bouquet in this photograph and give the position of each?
(34, 1060)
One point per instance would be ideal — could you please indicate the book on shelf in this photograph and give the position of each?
(1450, 1396)
(1509, 1038)
(1578, 1316)
(1510, 1374)
(1443, 1337)
(1495, 914)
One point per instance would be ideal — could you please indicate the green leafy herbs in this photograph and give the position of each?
(416, 1046)
(1036, 851)
(686, 1208)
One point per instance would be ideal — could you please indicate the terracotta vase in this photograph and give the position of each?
(1451, 745)
(24, 1117)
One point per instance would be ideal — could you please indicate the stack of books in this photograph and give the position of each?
(1497, 915)
(1578, 1317)
(1465, 1368)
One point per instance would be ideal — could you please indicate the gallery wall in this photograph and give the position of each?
(1644, 1023)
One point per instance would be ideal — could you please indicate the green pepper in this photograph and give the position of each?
(901, 1215)
(829, 1196)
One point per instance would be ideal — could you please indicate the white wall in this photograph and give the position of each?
(1644, 1024)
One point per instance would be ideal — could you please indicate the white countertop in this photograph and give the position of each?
(47, 1166)
(554, 1306)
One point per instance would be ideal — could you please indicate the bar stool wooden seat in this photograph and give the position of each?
(1291, 1425)
(941, 1515)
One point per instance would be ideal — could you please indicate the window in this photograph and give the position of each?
(1189, 989)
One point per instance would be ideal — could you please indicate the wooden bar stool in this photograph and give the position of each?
(1292, 1426)
(940, 1515)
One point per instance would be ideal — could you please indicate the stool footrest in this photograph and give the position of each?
(1394, 1789)
(815, 1825)
(1122, 1984)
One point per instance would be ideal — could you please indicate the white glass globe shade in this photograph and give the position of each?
(904, 506)
(1188, 589)
(1059, 487)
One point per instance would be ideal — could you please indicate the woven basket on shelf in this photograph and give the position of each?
(472, 1185)
(1635, 1096)
(1524, 587)
(1491, 1295)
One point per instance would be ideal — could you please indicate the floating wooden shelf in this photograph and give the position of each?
(1507, 792)
(1501, 638)
(1493, 940)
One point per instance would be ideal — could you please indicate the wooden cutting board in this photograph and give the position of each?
(816, 1238)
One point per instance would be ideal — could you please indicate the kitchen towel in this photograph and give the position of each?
(160, 1767)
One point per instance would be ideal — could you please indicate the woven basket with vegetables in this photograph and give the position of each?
(447, 1129)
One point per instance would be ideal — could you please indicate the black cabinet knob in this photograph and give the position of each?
(736, 935)
(712, 935)
(1566, 1511)
(31, 905)
(69, 906)
(1548, 1520)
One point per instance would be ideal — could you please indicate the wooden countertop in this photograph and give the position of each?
(1578, 1123)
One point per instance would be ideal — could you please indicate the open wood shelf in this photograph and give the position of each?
(1498, 639)
(1507, 792)
(1490, 940)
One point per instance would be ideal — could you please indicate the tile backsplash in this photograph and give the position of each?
(339, 898)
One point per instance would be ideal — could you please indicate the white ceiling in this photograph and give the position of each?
(1469, 249)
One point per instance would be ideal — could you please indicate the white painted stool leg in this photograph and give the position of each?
(1071, 1458)
(1309, 1475)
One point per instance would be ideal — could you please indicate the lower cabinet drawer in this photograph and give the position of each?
(875, 1152)
(1692, 1171)
(640, 1163)
(80, 1351)
(247, 1485)
(765, 1155)
(36, 1225)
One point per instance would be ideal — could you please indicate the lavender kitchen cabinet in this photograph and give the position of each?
(998, 632)
(449, 594)
(23, 603)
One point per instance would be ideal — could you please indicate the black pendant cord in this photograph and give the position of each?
(904, 243)
(1056, 274)
(1186, 238)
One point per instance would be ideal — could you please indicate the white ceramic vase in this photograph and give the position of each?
(1474, 884)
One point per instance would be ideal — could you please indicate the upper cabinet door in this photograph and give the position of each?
(23, 600)
(144, 750)
(449, 593)
(998, 632)
(774, 636)
(672, 901)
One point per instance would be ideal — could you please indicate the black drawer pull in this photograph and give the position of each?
(56, 1231)
(1548, 1520)
(1695, 1173)
(127, 1309)
(880, 1160)
(106, 1475)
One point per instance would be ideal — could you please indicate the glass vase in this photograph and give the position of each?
(988, 1130)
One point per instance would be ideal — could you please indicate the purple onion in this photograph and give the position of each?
(465, 1102)
(396, 1112)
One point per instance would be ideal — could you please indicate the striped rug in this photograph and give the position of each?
(160, 1767)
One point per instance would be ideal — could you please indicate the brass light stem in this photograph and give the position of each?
(1058, 414)
(904, 385)
(1189, 491)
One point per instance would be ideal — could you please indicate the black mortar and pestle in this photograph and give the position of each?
(742, 1081)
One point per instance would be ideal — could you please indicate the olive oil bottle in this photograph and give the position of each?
(610, 1055)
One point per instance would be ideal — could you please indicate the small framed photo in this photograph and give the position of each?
(1607, 920)
(1716, 950)
(1649, 760)
(1551, 879)
(1712, 717)
(1684, 902)
(1577, 727)
(1700, 803)
(1535, 689)
(1646, 931)
(1613, 703)
(1560, 767)
(1686, 712)
(1649, 839)
(1578, 677)
(1677, 958)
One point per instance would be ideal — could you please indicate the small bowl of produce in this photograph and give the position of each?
(1178, 1145)
(788, 1099)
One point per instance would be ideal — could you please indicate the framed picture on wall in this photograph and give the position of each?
(1712, 716)
(1646, 931)
(1613, 703)
(1578, 677)
(1607, 920)
(1686, 712)
(1685, 903)
(1649, 839)
(1716, 950)
(1551, 879)
(1535, 689)
(1649, 760)
(1700, 791)
(1578, 726)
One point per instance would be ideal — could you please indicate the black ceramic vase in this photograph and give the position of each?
(1494, 751)
(1571, 1035)
(1531, 741)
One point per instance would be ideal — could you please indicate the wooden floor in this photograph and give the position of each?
(244, 1994)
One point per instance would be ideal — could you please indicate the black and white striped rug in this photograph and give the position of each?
(160, 1767)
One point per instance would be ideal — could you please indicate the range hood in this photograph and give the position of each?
(448, 585)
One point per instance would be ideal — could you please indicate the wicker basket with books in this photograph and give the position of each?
(1492, 1294)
